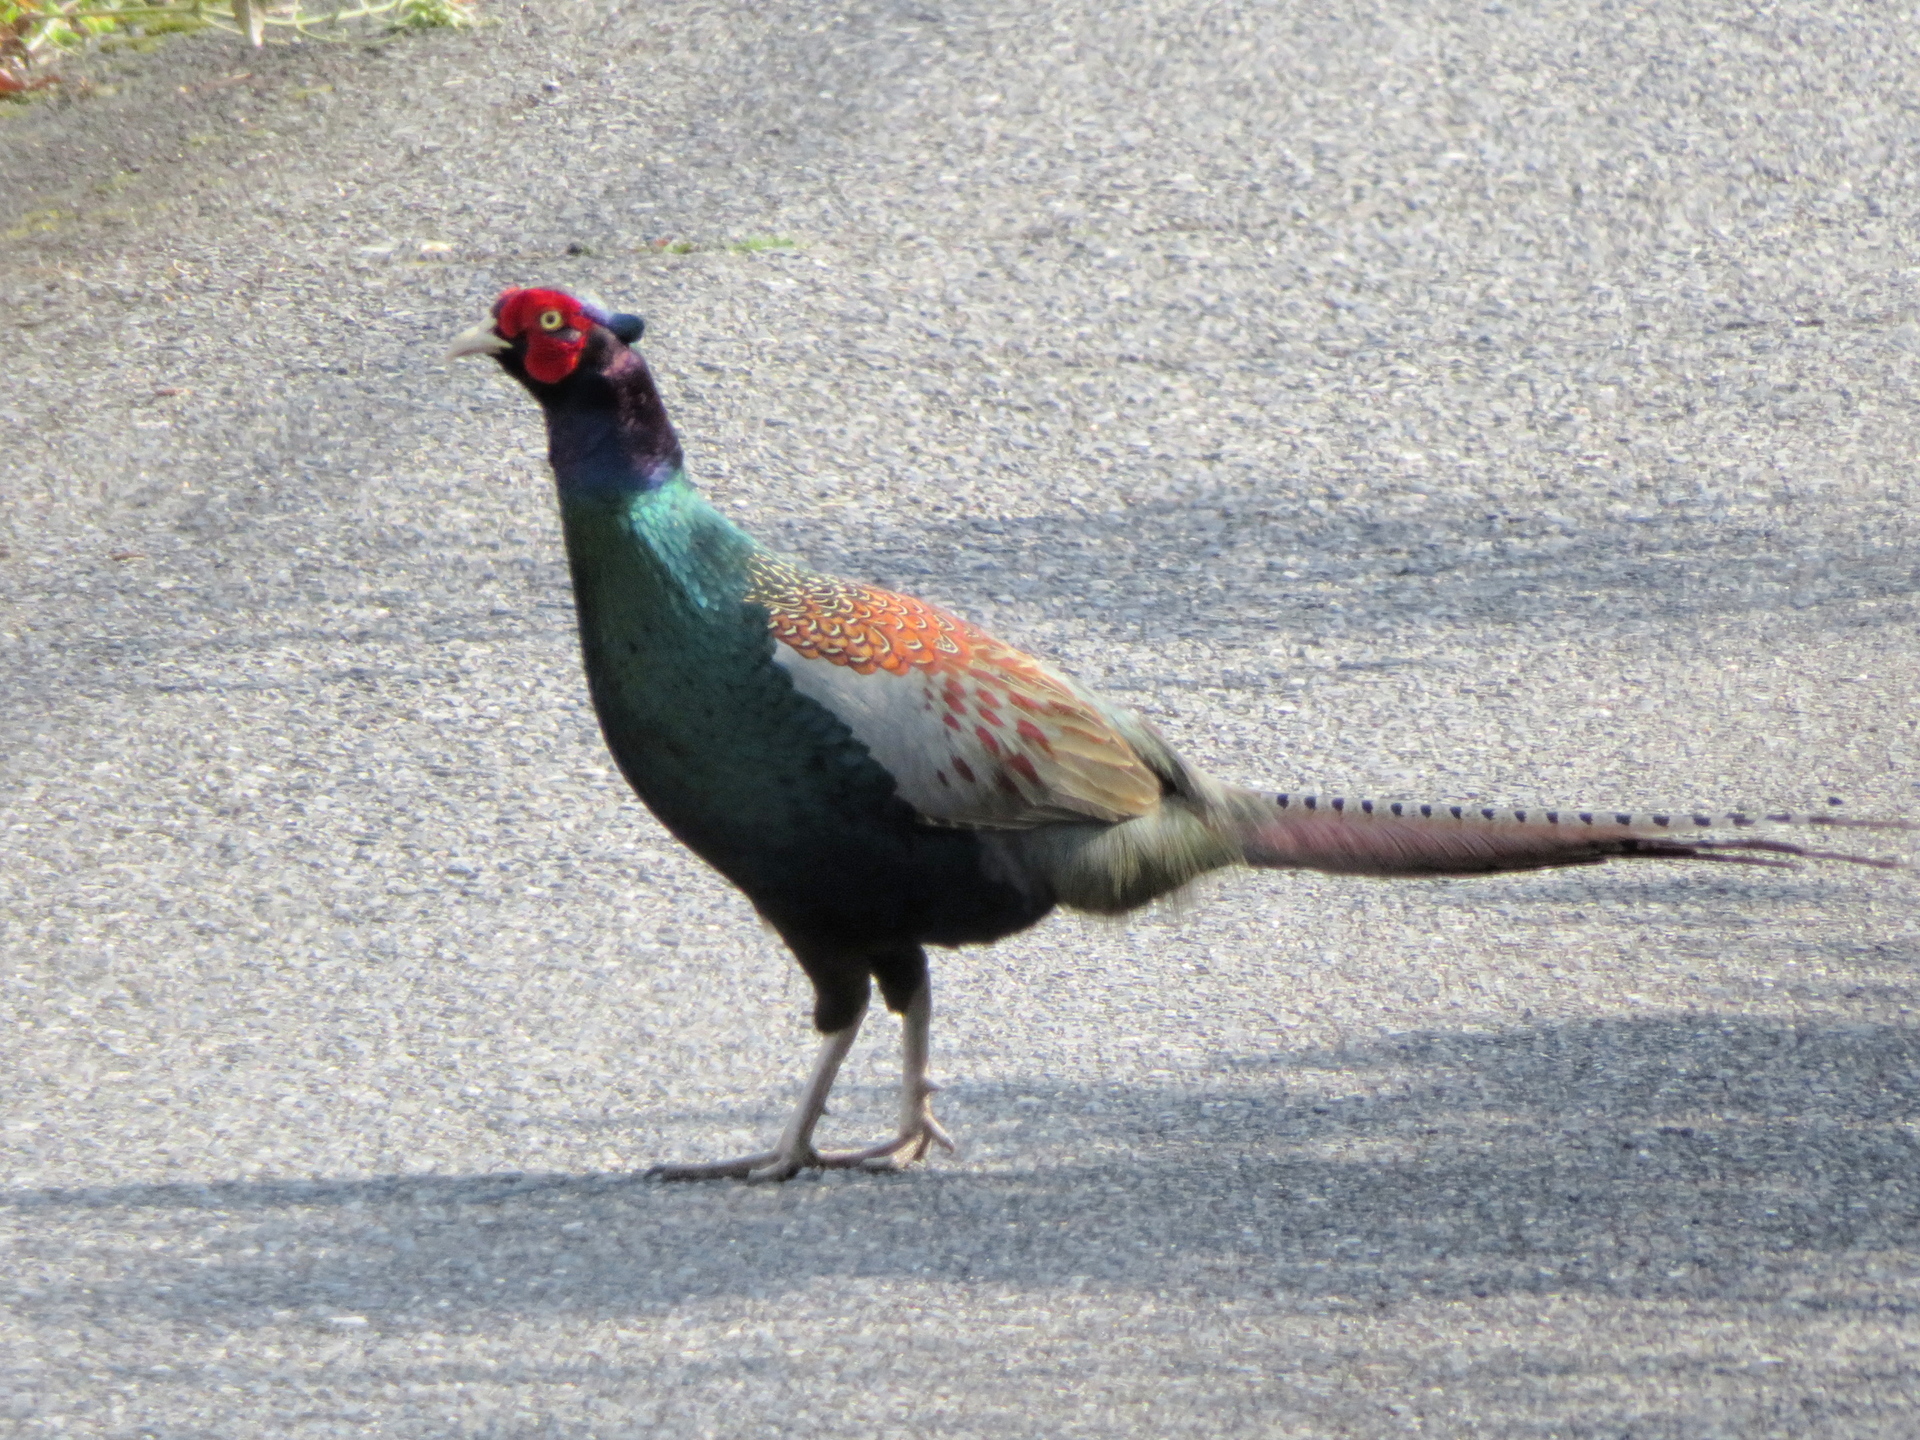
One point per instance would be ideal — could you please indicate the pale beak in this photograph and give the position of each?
(480, 340)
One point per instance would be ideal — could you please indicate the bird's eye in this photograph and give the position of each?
(552, 320)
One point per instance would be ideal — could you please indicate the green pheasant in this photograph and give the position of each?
(878, 775)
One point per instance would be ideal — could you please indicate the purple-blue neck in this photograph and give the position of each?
(607, 429)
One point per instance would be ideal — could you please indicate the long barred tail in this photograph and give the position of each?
(1366, 837)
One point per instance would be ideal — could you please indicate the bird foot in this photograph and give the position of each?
(919, 1133)
(908, 1147)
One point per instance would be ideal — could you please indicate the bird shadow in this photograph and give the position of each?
(1668, 1156)
(1174, 564)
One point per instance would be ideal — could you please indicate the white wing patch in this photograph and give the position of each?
(978, 746)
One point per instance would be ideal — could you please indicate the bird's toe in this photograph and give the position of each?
(932, 1130)
(743, 1168)
(782, 1167)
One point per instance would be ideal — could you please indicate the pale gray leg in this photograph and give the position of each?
(918, 1129)
(795, 1149)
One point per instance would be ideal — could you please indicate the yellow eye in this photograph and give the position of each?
(552, 320)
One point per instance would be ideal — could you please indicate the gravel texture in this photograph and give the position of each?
(1509, 402)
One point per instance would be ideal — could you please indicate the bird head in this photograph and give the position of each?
(607, 428)
(538, 336)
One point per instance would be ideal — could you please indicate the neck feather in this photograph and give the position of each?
(607, 429)
(662, 546)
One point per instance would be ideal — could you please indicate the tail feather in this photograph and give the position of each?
(1396, 838)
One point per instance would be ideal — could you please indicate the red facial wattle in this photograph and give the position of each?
(554, 326)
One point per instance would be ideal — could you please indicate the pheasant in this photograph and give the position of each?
(878, 775)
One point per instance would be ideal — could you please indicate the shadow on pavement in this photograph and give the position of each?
(1272, 558)
(1703, 1157)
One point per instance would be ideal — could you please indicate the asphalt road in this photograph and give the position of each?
(1509, 402)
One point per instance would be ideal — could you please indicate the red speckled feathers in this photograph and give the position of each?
(973, 731)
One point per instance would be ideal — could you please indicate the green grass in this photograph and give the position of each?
(34, 33)
(756, 244)
(37, 222)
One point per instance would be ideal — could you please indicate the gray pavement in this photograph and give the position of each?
(1510, 402)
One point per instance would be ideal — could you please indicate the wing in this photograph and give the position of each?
(973, 731)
